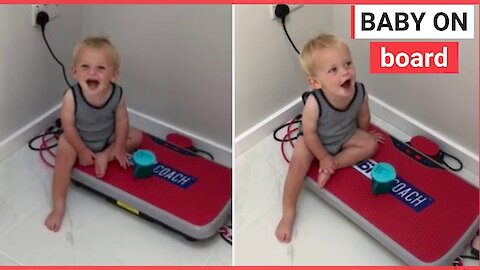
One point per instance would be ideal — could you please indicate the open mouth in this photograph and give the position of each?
(347, 84)
(93, 84)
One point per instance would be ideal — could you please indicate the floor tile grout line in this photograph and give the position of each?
(18, 223)
(10, 258)
(262, 215)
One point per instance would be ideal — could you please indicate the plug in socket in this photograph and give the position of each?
(271, 9)
(51, 10)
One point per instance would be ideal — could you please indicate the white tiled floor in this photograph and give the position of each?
(322, 235)
(94, 231)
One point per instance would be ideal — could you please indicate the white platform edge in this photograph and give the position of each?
(11, 144)
(384, 111)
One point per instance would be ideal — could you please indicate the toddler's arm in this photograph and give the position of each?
(121, 134)
(311, 113)
(363, 117)
(121, 125)
(67, 116)
(363, 120)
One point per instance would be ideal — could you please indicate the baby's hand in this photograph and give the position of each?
(328, 165)
(86, 157)
(378, 136)
(121, 155)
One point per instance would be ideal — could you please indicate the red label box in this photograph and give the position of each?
(413, 57)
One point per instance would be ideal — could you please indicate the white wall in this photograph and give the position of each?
(30, 81)
(446, 103)
(176, 62)
(268, 75)
(267, 72)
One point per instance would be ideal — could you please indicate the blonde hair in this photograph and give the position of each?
(322, 41)
(99, 42)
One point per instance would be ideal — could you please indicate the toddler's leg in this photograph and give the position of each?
(323, 177)
(297, 170)
(66, 157)
(133, 142)
(360, 146)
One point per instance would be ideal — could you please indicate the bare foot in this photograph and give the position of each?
(101, 164)
(54, 219)
(322, 179)
(284, 229)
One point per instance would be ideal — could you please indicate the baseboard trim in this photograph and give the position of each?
(222, 154)
(17, 140)
(265, 127)
(384, 111)
(413, 127)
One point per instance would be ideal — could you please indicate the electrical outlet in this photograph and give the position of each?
(51, 10)
(271, 9)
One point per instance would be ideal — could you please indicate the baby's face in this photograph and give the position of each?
(94, 70)
(334, 71)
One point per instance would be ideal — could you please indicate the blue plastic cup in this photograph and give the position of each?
(144, 162)
(383, 175)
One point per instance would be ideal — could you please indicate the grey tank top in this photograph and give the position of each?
(336, 126)
(96, 124)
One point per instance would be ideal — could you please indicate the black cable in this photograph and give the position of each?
(443, 154)
(468, 257)
(296, 120)
(283, 126)
(288, 36)
(281, 12)
(55, 129)
(459, 260)
(54, 57)
(474, 252)
(226, 233)
(196, 150)
(30, 143)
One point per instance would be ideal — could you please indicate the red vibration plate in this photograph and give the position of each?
(428, 234)
(197, 204)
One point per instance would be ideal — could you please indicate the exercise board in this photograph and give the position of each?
(427, 219)
(187, 193)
